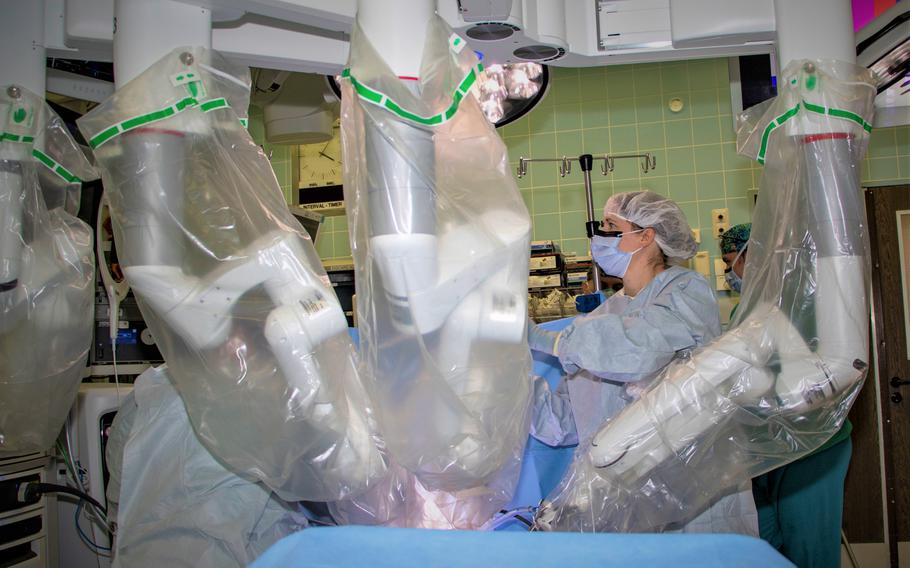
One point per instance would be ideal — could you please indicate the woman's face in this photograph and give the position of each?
(630, 241)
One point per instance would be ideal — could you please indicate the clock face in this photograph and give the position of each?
(320, 164)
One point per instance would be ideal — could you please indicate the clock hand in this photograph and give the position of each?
(323, 154)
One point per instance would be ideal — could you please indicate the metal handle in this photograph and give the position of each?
(897, 383)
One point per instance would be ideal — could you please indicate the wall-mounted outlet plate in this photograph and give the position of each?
(720, 229)
(720, 216)
(702, 264)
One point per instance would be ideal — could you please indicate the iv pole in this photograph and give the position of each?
(586, 161)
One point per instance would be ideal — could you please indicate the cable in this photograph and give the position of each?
(33, 489)
(76, 476)
(506, 516)
(116, 375)
(96, 548)
(525, 521)
(113, 304)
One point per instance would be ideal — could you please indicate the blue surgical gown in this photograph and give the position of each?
(613, 353)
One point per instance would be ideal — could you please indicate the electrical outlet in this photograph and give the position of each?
(696, 234)
(720, 229)
(720, 222)
(719, 216)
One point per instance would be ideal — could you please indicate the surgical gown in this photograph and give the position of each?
(612, 354)
(175, 504)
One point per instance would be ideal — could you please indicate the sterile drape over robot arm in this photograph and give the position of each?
(46, 272)
(440, 239)
(230, 284)
(782, 380)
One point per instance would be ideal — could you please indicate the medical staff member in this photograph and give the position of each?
(800, 505)
(733, 245)
(663, 312)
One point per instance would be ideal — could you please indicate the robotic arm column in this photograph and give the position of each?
(21, 67)
(440, 241)
(145, 32)
(46, 263)
(780, 382)
(402, 204)
(254, 337)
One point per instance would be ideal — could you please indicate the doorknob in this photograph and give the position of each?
(897, 383)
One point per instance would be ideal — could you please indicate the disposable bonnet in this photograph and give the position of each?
(650, 210)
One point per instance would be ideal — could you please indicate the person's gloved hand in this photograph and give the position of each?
(541, 339)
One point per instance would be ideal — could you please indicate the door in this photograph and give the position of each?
(888, 211)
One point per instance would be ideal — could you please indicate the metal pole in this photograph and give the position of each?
(587, 163)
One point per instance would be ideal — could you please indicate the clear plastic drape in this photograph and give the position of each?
(440, 238)
(46, 272)
(781, 382)
(229, 283)
(174, 503)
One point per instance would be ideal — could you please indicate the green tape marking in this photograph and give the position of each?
(839, 113)
(790, 113)
(10, 137)
(55, 167)
(156, 116)
(380, 99)
(772, 126)
(213, 104)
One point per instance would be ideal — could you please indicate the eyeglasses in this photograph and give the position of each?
(598, 231)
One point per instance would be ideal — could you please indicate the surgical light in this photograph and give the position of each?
(509, 90)
(493, 110)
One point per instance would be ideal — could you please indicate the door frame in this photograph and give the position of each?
(879, 348)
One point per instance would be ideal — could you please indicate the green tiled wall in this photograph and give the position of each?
(332, 240)
(888, 157)
(624, 109)
(621, 109)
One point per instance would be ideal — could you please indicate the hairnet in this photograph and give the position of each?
(735, 239)
(651, 210)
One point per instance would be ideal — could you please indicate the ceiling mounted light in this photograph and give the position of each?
(508, 91)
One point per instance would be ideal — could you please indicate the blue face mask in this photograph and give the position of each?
(605, 252)
(733, 279)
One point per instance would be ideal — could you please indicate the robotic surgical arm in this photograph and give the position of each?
(232, 289)
(200, 309)
(780, 382)
(37, 253)
(46, 273)
(441, 240)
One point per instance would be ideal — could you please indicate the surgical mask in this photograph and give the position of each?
(605, 252)
(733, 279)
